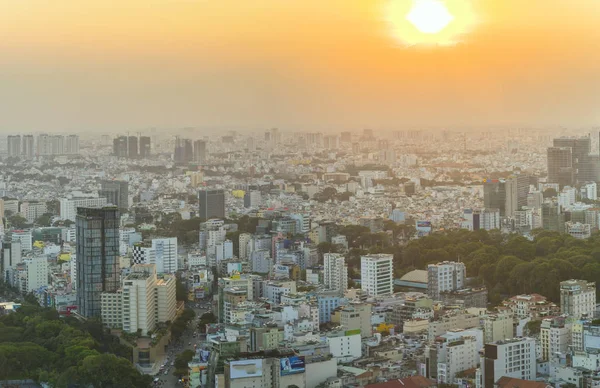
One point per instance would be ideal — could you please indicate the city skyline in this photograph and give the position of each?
(171, 64)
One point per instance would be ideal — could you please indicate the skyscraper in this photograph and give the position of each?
(516, 188)
(97, 253)
(199, 150)
(560, 166)
(211, 203)
(145, 146)
(132, 147)
(72, 145)
(376, 274)
(494, 195)
(184, 151)
(116, 193)
(120, 146)
(585, 166)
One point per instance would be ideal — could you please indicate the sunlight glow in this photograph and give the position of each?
(429, 16)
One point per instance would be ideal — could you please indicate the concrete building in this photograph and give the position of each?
(265, 338)
(68, 206)
(116, 193)
(357, 316)
(36, 273)
(252, 199)
(454, 355)
(335, 272)
(345, 346)
(211, 204)
(509, 358)
(377, 274)
(458, 320)
(578, 298)
(498, 327)
(578, 230)
(555, 336)
(165, 251)
(444, 277)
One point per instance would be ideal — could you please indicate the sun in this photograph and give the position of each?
(430, 22)
(429, 16)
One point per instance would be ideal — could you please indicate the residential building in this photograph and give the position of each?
(335, 272)
(165, 252)
(534, 306)
(509, 358)
(498, 327)
(377, 274)
(357, 316)
(578, 298)
(265, 338)
(444, 277)
(97, 252)
(453, 355)
(36, 273)
(555, 336)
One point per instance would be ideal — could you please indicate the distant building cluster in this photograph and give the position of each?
(28, 146)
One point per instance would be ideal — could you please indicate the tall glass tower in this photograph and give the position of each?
(97, 257)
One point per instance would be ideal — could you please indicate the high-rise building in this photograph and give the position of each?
(44, 145)
(516, 189)
(552, 217)
(68, 206)
(145, 146)
(28, 147)
(335, 272)
(184, 151)
(494, 195)
(14, 145)
(36, 273)
(511, 358)
(72, 145)
(445, 277)
(132, 147)
(199, 151)
(97, 257)
(211, 204)
(578, 298)
(252, 199)
(377, 273)
(120, 146)
(583, 163)
(560, 166)
(11, 256)
(57, 143)
(165, 253)
(116, 193)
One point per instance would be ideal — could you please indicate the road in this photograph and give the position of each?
(187, 341)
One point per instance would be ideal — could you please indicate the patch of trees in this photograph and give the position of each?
(509, 264)
(36, 344)
(181, 323)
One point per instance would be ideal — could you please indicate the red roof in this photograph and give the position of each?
(510, 382)
(409, 382)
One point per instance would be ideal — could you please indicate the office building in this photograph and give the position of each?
(211, 204)
(165, 253)
(335, 272)
(444, 277)
(584, 165)
(560, 166)
(120, 148)
(199, 151)
(68, 206)
(184, 152)
(516, 188)
(36, 273)
(11, 256)
(509, 358)
(97, 257)
(252, 199)
(494, 195)
(116, 193)
(132, 147)
(145, 146)
(552, 217)
(377, 274)
(578, 298)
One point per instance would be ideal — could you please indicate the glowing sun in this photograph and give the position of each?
(429, 22)
(429, 16)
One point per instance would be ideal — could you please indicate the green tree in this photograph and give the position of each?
(17, 221)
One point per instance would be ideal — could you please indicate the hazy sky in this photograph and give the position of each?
(297, 64)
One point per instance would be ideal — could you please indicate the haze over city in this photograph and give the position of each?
(339, 64)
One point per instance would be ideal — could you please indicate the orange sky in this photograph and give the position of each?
(310, 64)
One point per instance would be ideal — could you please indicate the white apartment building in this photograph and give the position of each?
(165, 251)
(577, 298)
(143, 301)
(36, 273)
(444, 277)
(512, 358)
(31, 211)
(555, 336)
(335, 272)
(578, 230)
(455, 355)
(377, 274)
(498, 327)
(24, 237)
(344, 348)
(243, 249)
(68, 206)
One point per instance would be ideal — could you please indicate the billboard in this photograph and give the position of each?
(245, 368)
(234, 267)
(292, 365)
(281, 271)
